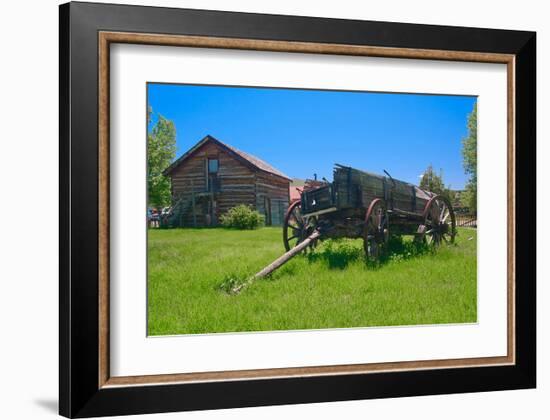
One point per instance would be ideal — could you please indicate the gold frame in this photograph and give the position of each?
(106, 38)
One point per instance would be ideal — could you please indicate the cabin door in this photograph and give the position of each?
(267, 210)
(277, 212)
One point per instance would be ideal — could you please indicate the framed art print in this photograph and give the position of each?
(261, 209)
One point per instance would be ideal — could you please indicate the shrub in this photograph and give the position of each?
(241, 217)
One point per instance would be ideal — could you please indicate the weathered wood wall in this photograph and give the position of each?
(238, 183)
(272, 191)
(357, 189)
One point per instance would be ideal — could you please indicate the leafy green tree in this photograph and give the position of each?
(161, 151)
(431, 181)
(469, 156)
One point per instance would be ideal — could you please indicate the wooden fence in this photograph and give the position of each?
(466, 220)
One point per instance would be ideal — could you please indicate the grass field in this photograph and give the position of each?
(332, 288)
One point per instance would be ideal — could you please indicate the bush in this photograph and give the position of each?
(241, 217)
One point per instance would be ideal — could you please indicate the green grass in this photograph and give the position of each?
(333, 288)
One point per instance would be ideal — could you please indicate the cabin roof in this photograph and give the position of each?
(244, 157)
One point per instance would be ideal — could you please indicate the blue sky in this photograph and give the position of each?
(302, 132)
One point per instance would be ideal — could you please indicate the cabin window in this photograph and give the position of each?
(212, 180)
(213, 165)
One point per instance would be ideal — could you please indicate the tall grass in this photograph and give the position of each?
(332, 287)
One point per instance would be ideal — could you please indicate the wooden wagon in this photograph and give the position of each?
(359, 204)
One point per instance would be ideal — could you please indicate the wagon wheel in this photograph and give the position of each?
(376, 231)
(439, 221)
(297, 227)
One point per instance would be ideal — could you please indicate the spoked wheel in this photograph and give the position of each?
(376, 231)
(297, 227)
(439, 221)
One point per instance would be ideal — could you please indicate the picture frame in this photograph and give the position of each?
(87, 30)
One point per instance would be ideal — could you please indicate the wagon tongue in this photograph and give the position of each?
(279, 261)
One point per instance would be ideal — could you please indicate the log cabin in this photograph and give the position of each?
(212, 177)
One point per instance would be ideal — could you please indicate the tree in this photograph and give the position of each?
(161, 151)
(469, 160)
(433, 182)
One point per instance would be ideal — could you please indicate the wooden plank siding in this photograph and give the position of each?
(276, 189)
(237, 183)
(357, 189)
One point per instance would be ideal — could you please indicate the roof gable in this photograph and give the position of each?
(249, 160)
